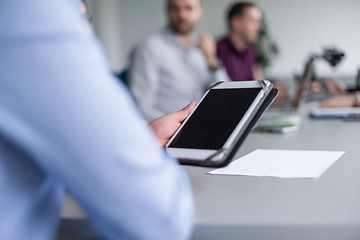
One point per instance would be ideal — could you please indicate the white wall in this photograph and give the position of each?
(300, 28)
(107, 24)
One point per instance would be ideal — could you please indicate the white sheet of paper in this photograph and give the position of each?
(281, 163)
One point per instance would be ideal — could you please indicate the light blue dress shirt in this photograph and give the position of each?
(165, 75)
(66, 123)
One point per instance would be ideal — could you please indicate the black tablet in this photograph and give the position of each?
(221, 118)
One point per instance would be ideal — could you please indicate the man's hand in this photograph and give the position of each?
(283, 91)
(343, 100)
(334, 86)
(208, 47)
(165, 126)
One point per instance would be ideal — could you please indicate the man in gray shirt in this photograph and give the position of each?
(173, 67)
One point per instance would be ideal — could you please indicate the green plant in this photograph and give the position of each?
(266, 47)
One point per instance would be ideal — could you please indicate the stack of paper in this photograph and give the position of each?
(335, 112)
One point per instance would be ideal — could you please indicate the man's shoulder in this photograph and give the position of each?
(223, 43)
(154, 40)
(222, 40)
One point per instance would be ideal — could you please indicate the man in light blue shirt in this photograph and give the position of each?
(66, 123)
(173, 66)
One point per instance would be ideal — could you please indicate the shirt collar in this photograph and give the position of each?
(231, 45)
(173, 37)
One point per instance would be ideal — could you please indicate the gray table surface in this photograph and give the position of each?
(242, 207)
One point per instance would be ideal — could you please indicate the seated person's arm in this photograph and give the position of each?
(334, 86)
(208, 46)
(342, 100)
(80, 129)
(331, 85)
(144, 80)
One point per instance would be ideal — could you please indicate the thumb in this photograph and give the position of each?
(182, 114)
(188, 109)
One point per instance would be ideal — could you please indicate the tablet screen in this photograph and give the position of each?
(215, 118)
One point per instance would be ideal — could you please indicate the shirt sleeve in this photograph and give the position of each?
(61, 105)
(221, 74)
(144, 80)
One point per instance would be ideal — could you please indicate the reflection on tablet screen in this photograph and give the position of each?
(215, 118)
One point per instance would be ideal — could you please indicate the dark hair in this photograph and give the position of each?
(237, 10)
(168, 3)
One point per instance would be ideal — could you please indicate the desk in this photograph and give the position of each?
(239, 207)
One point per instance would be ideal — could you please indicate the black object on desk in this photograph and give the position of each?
(230, 153)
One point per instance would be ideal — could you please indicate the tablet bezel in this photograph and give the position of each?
(204, 154)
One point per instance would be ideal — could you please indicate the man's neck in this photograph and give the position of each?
(239, 43)
(185, 39)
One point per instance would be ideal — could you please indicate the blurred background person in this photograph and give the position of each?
(173, 67)
(237, 51)
(349, 99)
